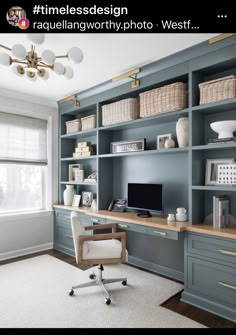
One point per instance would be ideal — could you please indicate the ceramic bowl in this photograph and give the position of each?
(224, 128)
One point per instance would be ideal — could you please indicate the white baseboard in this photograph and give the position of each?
(26, 251)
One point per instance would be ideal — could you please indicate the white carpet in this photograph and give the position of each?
(33, 294)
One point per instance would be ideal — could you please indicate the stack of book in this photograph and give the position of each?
(222, 140)
(220, 211)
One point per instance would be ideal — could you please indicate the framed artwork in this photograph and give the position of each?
(211, 176)
(161, 140)
(76, 200)
(87, 198)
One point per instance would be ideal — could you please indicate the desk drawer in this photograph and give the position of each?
(217, 248)
(128, 226)
(212, 279)
(164, 233)
(62, 217)
(63, 237)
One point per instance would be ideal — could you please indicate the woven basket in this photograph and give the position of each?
(120, 111)
(168, 98)
(73, 126)
(219, 89)
(88, 122)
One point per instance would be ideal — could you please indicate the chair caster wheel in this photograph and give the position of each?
(124, 282)
(92, 276)
(71, 292)
(107, 301)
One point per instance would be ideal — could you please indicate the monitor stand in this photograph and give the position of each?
(145, 214)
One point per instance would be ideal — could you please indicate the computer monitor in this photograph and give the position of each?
(145, 198)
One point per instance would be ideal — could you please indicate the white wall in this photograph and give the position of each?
(27, 233)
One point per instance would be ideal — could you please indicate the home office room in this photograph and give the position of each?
(117, 172)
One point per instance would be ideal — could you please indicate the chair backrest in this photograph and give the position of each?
(77, 230)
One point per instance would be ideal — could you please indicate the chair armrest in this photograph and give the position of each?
(98, 237)
(102, 226)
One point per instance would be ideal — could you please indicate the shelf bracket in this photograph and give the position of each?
(131, 74)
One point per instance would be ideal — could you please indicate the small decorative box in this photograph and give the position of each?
(226, 174)
(128, 146)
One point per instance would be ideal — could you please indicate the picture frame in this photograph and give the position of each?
(161, 140)
(87, 198)
(211, 175)
(76, 200)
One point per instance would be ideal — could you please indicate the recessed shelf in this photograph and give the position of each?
(220, 146)
(223, 188)
(216, 107)
(75, 183)
(148, 121)
(146, 152)
(78, 158)
(84, 133)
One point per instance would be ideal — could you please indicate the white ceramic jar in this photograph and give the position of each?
(68, 195)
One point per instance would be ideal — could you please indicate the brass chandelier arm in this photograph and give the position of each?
(62, 56)
(45, 65)
(4, 47)
(18, 61)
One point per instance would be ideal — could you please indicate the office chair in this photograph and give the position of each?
(98, 249)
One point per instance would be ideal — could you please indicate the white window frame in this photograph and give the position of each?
(48, 192)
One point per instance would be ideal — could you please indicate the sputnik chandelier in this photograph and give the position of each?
(30, 65)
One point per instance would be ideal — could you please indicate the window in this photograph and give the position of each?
(23, 163)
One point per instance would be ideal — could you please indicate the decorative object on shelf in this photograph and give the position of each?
(87, 198)
(220, 211)
(218, 89)
(226, 174)
(76, 200)
(181, 214)
(92, 178)
(120, 111)
(171, 217)
(68, 195)
(169, 143)
(212, 169)
(28, 63)
(79, 175)
(88, 122)
(161, 139)
(182, 127)
(225, 129)
(128, 146)
(222, 140)
(163, 99)
(71, 170)
(73, 126)
(94, 204)
(84, 149)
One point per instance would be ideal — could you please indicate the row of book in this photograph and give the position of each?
(222, 140)
(220, 211)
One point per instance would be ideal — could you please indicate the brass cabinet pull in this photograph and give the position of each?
(159, 233)
(123, 225)
(69, 236)
(227, 285)
(226, 252)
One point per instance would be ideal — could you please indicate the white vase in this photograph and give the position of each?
(182, 132)
(68, 195)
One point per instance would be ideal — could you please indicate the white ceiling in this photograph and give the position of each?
(105, 56)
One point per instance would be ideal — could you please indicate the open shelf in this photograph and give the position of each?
(220, 146)
(146, 152)
(215, 107)
(77, 158)
(224, 188)
(75, 183)
(78, 134)
(148, 121)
